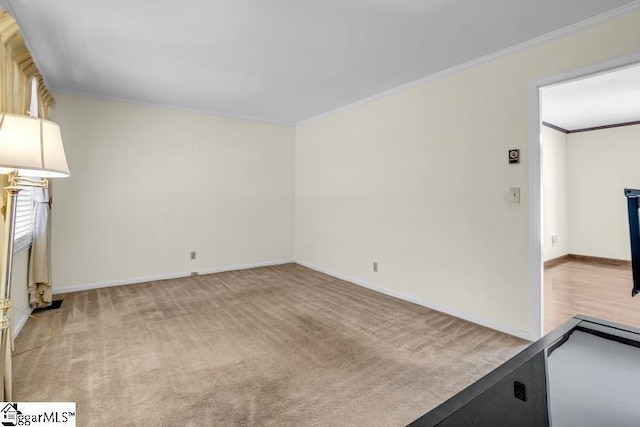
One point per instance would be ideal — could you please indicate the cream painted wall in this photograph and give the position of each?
(148, 185)
(601, 164)
(418, 182)
(555, 209)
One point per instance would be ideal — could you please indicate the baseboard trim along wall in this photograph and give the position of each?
(556, 261)
(425, 303)
(383, 290)
(68, 289)
(19, 320)
(612, 262)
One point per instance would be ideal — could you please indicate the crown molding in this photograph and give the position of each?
(552, 126)
(554, 35)
(611, 126)
(562, 32)
(172, 107)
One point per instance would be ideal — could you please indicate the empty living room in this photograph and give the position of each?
(295, 213)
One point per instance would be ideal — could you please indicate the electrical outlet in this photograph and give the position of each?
(193, 255)
(554, 240)
(519, 391)
(375, 267)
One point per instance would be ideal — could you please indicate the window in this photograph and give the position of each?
(23, 234)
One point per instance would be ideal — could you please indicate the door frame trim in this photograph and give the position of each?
(536, 293)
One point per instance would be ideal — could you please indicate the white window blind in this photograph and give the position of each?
(23, 235)
(24, 220)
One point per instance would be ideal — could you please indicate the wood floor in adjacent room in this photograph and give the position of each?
(579, 287)
(275, 346)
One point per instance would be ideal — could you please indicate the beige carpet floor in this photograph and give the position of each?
(272, 346)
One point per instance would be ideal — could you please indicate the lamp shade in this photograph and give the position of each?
(32, 146)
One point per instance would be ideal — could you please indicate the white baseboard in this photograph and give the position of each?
(425, 303)
(57, 290)
(19, 320)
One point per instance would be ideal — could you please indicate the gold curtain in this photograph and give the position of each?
(17, 69)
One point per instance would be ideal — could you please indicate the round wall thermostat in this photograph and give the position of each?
(514, 156)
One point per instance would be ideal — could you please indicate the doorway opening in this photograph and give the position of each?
(588, 143)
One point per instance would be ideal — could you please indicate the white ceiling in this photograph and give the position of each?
(279, 60)
(605, 99)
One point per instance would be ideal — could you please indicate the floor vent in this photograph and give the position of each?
(55, 304)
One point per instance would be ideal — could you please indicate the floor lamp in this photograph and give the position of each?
(30, 152)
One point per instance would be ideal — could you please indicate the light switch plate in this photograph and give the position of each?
(514, 194)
